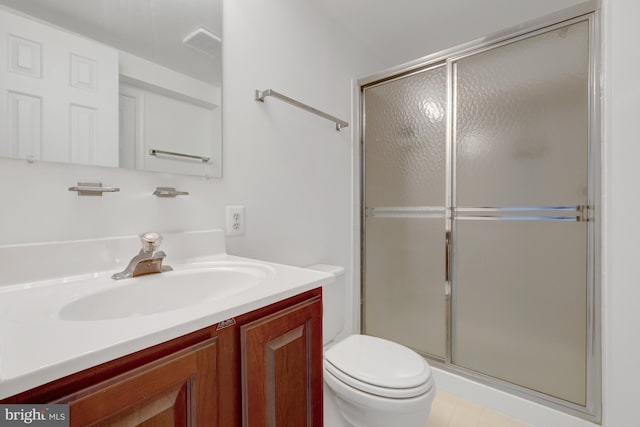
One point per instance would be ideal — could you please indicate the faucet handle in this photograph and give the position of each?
(150, 241)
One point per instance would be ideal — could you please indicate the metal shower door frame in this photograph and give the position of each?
(592, 213)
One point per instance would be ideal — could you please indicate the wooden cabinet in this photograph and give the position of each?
(176, 390)
(282, 368)
(263, 368)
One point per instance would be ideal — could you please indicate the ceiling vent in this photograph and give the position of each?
(204, 41)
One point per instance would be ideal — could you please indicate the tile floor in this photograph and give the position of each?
(451, 411)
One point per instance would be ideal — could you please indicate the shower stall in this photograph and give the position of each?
(480, 175)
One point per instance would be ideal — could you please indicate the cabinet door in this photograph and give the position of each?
(281, 356)
(177, 390)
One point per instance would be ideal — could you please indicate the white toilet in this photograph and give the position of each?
(369, 381)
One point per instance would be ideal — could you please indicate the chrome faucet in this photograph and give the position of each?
(148, 260)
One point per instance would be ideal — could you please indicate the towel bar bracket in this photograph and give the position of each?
(169, 192)
(92, 189)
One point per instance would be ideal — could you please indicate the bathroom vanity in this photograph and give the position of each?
(250, 358)
(241, 371)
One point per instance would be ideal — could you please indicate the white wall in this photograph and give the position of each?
(36, 206)
(408, 29)
(621, 237)
(138, 71)
(291, 169)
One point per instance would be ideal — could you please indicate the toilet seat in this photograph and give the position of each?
(392, 393)
(378, 366)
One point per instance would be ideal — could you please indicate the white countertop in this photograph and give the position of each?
(37, 347)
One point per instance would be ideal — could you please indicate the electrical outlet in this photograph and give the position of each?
(235, 220)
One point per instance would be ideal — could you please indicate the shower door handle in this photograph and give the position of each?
(447, 258)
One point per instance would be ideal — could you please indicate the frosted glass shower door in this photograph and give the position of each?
(521, 204)
(404, 164)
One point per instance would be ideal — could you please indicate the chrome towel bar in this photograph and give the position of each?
(582, 213)
(405, 212)
(155, 151)
(262, 94)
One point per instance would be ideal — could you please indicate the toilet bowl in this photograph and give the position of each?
(369, 381)
(378, 383)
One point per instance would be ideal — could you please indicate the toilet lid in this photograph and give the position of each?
(379, 362)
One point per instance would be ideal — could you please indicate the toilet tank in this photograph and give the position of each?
(333, 302)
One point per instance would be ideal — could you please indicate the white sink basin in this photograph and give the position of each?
(158, 293)
(67, 314)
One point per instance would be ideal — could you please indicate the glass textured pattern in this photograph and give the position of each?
(404, 295)
(522, 122)
(520, 128)
(405, 140)
(519, 303)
